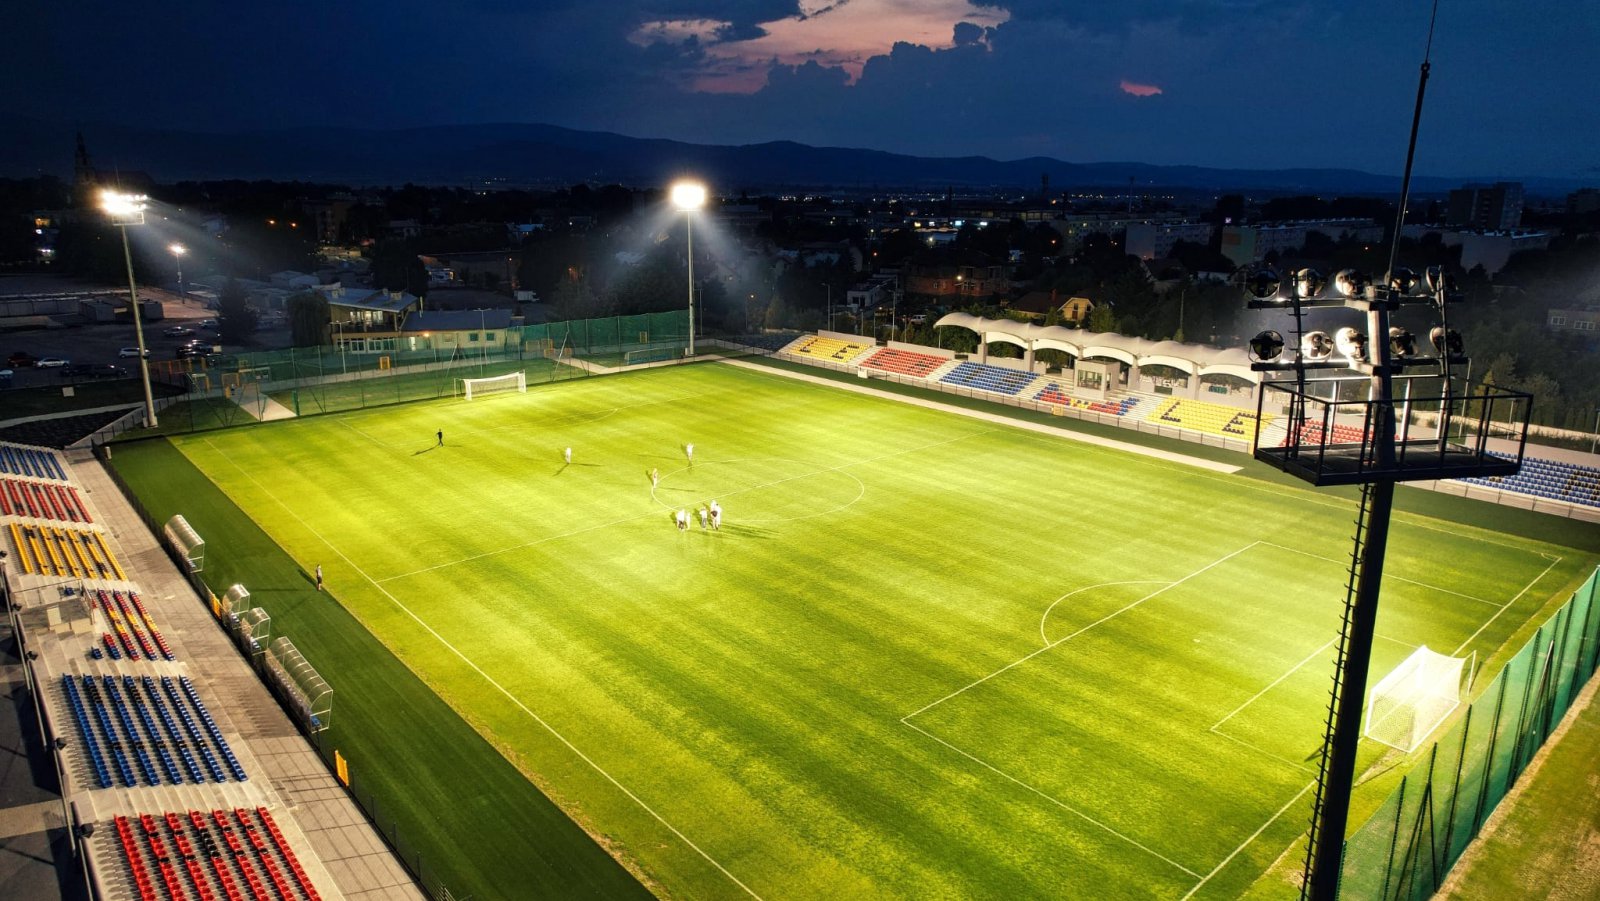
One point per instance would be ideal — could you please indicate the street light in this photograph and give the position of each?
(178, 250)
(126, 210)
(689, 196)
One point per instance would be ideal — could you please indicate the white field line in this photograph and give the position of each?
(1247, 842)
(653, 513)
(1109, 616)
(1297, 764)
(497, 686)
(1056, 801)
(1275, 683)
(1508, 604)
(1428, 585)
(1069, 594)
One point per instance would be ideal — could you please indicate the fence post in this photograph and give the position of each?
(1394, 833)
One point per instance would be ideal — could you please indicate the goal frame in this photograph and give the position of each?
(1407, 692)
(511, 381)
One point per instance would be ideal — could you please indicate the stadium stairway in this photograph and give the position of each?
(171, 723)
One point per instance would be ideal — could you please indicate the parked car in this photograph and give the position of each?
(75, 370)
(107, 371)
(5, 376)
(194, 348)
(209, 325)
(21, 360)
(178, 331)
(132, 352)
(51, 362)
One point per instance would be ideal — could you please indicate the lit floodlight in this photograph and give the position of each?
(1402, 343)
(1403, 281)
(1316, 346)
(1447, 342)
(124, 209)
(688, 195)
(1352, 344)
(1267, 346)
(177, 250)
(1350, 283)
(1263, 284)
(1308, 283)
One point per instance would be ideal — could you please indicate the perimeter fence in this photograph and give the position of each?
(223, 390)
(1406, 849)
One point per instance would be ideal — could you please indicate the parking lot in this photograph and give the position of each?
(98, 345)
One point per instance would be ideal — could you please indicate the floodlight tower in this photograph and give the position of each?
(1330, 441)
(689, 196)
(178, 250)
(126, 210)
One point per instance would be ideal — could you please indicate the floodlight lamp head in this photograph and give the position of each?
(1309, 283)
(1316, 346)
(688, 195)
(1403, 281)
(1434, 276)
(1402, 343)
(1266, 346)
(177, 250)
(1448, 343)
(1352, 344)
(124, 209)
(1263, 283)
(1350, 283)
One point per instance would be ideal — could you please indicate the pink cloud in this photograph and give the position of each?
(1139, 90)
(832, 34)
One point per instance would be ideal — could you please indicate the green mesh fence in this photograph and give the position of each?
(1404, 851)
(235, 389)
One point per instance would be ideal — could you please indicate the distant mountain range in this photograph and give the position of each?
(531, 155)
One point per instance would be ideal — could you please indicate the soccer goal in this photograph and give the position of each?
(1406, 706)
(511, 381)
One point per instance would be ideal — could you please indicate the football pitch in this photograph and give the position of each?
(924, 656)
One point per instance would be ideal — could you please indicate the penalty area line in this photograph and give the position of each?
(517, 702)
(1054, 800)
(1247, 842)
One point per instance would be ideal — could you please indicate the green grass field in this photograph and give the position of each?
(925, 656)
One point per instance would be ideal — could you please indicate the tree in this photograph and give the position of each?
(308, 318)
(236, 319)
(395, 267)
(1103, 318)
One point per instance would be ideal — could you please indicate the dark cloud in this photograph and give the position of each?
(1510, 92)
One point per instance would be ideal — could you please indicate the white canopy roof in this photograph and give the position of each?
(1195, 359)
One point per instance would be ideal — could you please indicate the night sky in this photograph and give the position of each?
(1233, 83)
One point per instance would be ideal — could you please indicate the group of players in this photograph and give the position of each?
(710, 514)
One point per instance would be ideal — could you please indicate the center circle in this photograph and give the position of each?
(760, 489)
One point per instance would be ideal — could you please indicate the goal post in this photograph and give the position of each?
(495, 384)
(1408, 704)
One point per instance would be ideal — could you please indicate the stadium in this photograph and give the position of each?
(965, 627)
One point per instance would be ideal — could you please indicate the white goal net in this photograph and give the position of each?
(511, 381)
(1406, 706)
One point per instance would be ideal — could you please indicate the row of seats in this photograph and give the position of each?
(984, 377)
(134, 628)
(42, 501)
(54, 551)
(138, 717)
(831, 349)
(904, 362)
(1213, 419)
(1313, 433)
(1053, 393)
(1551, 479)
(33, 462)
(208, 860)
